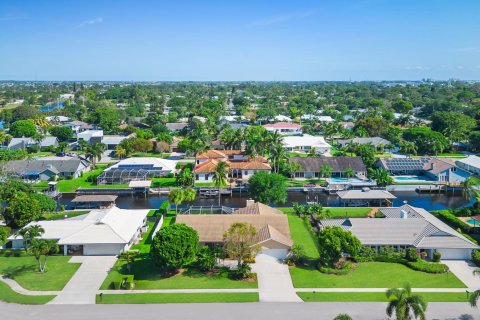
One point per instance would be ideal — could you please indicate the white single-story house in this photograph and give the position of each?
(111, 142)
(378, 142)
(405, 227)
(24, 143)
(91, 136)
(100, 232)
(470, 164)
(305, 143)
(310, 167)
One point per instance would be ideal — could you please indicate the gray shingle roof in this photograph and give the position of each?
(376, 141)
(339, 164)
(37, 166)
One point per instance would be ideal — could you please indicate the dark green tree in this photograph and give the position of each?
(268, 187)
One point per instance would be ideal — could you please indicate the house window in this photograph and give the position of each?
(196, 177)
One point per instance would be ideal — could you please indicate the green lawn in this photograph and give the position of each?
(164, 182)
(302, 183)
(452, 155)
(151, 155)
(340, 212)
(41, 154)
(301, 235)
(61, 214)
(297, 154)
(24, 270)
(142, 298)
(81, 182)
(8, 295)
(374, 275)
(377, 296)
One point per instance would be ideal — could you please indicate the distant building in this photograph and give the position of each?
(57, 119)
(284, 128)
(25, 143)
(91, 136)
(176, 126)
(470, 164)
(78, 126)
(377, 142)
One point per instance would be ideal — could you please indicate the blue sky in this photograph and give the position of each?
(239, 40)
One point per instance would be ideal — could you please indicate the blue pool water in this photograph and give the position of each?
(52, 107)
(473, 221)
(349, 180)
(410, 178)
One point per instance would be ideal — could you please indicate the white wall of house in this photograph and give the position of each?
(203, 177)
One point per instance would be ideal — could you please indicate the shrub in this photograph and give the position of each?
(297, 255)
(241, 272)
(366, 254)
(345, 269)
(437, 256)
(424, 266)
(476, 257)
(206, 259)
(124, 282)
(411, 254)
(171, 175)
(452, 220)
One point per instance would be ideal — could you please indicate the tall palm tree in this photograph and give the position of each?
(277, 155)
(475, 294)
(38, 138)
(349, 173)
(220, 177)
(326, 171)
(30, 233)
(408, 147)
(95, 152)
(120, 152)
(405, 305)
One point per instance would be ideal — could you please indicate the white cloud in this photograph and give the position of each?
(281, 18)
(90, 22)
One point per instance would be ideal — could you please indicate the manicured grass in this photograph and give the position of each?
(205, 184)
(378, 296)
(151, 155)
(297, 154)
(8, 295)
(41, 154)
(61, 215)
(164, 182)
(349, 212)
(452, 155)
(24, 270)
(142, 298)
(81, 182)
(374, 275)
(301, 235)
(302, 183)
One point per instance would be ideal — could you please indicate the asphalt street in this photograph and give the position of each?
(226, 311)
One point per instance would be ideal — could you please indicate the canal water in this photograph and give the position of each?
(428, 201)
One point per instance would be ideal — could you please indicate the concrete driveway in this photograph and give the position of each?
(274, 281)
(463, 269)
(83, 286)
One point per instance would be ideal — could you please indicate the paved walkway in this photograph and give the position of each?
(19, 289)
(463, 269)
(274, 281)
(83, 286)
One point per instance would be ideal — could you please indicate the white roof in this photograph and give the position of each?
(140, 184)
(325, 119)
(365, 195)
(472, 161)
(90, 133)
(113, 139)
(232, 118)
(282, 118)
(165, 164)
(113, 225)
(58, 118)
(305, 140)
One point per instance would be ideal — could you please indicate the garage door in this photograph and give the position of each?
(455, 254)
(102, 249)
(277, 253)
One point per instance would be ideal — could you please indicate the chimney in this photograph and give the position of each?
(250, 202)
(432, 165)
(403, 214)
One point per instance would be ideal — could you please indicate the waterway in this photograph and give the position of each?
(428, 201)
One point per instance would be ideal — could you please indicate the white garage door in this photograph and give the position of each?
(277, 253)
(102, 249)
(455, 254)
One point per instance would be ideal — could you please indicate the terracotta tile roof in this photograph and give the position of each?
(210, 165)
(283, 125)
(217, 154)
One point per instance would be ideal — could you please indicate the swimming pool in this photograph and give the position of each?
(347, 180)
(410, 179)
(473, 221)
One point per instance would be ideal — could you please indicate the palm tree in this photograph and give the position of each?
(408, 147)
(219, 177)
(348, 173)
(176, 196)
(42, 247)
(326, 171)
(38, 138)
(120, 152)
(30, 233)
(189, 195)
(475, 294)
(277, 155)
(405, 305)
(381, 176)
(95, 152)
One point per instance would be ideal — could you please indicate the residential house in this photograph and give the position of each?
(305, 143)
(273, 232)
(284, 128)
(310, 167)
(100, 232)
(78, 126)
(58, 119)
(176, 126)
(379, 143)
(91, 136)
(407, 227)
(45, 170)
(156, 167)
(25, 143)
(347, 125)
(470, 164)
(436, 169)
(240, 166)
